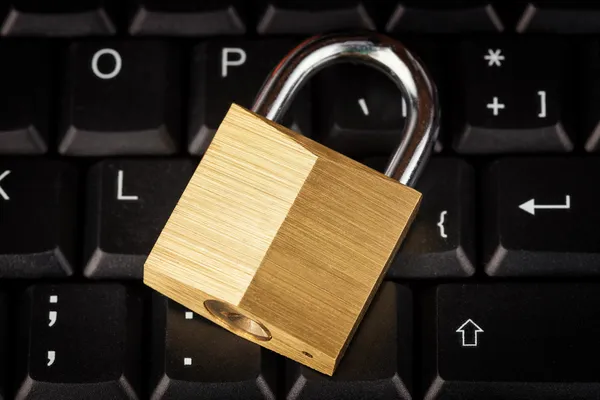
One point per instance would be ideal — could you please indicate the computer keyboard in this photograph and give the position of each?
(106, 107)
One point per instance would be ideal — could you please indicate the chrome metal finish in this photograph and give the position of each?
(381, 52)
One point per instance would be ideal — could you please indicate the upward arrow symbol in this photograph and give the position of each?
(469, 331)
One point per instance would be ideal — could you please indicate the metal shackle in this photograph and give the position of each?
(381, 52)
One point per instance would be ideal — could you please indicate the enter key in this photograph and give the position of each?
(541, 217)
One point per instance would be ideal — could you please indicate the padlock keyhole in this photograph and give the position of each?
(236, 321)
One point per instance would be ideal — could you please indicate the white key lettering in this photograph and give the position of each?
(2, 192)
(51, 357)
(120, 195)
(227, 62)
(52, 316)
(542, 94)
(116, 69)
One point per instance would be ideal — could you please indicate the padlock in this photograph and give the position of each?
(278, 238)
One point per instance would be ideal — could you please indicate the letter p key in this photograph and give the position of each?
(227, 62)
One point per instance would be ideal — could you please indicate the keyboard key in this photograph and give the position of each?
(443, 17)
(311, 17)
(187, 18)
(37, 227)
(59, 18)
(590, 94)
(359, 111)
(541, 217)
(192, 358)
(229, 71)
(514, 97)
(129, 202)
(121, 98)
(3, 344)
(25, 97)
(378, 361)
(512, 341)
(80, 342)
(562, 16)
(441, 240)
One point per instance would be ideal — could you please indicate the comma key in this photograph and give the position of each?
(91, 351)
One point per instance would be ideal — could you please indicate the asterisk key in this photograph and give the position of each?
(494, 57)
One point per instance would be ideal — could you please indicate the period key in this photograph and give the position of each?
(193, 358)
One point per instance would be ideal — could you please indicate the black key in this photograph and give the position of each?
(3, 344)
(590, 94)
(25, 97)
(192, 358)
(512, 341)
(359, 111)
(59, 18)
(443, 17)
(378, 361)
(128, 204)
(233, 71)
(121, 98)
(37, 224)
(80, 342)
(307, 17)
(541, 217)
(562, 16)
(187, 18)
(440, 242)
(514, 98)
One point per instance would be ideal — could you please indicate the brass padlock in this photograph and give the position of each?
(278, 238)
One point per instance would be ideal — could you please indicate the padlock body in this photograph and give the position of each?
(280, 239)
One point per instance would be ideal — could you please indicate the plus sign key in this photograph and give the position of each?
(541, 217)
(513, 94)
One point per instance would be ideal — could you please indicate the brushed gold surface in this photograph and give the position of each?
(290, 238)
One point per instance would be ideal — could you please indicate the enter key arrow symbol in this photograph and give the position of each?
(469, 331)
(530, 206)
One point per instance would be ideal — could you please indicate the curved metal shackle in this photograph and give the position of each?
(379, 51)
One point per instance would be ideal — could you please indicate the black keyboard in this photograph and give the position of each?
(107, 106)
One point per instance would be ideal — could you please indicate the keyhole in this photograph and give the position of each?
(236, 321)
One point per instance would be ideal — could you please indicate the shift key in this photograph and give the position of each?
(508, 341)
